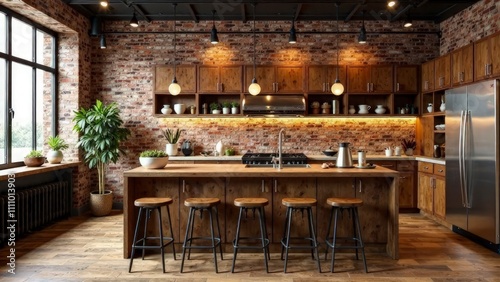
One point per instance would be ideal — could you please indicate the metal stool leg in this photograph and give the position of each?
(192, 229)
(265, 232)
(284, 232)
(171, 231)
(162, 251)
(362, 245)
(235, 246)
(135, 240)
(313, 236)
(184, 245)
(214, 247)
(218, 229)
(328, 233)
(148, 215)
(334, 239)
(263, 235)
(351, 213)
(288, 236)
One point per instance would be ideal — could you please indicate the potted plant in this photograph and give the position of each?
(172, 137)
(315, 107)
(215, 108)
(408, 146)
(56, 145)
(234, 107)
(153, 159)
(34, 158)
(101, 132)
(226, 107)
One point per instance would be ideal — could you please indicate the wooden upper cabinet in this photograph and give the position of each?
(428, 76)
(443, 72)
(276, 79)
(369, 79)
(186, 77)
(486, 58)
(220, 79)
(321, 78)
(461, 62)
(406, 79)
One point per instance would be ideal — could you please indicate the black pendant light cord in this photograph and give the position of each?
(254, 68)
(175, 43)
(337, 79)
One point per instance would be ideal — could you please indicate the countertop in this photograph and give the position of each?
(237, 158)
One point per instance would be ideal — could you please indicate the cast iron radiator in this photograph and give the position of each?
(35, 207)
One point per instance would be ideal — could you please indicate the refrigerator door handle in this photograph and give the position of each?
(460, 157)
(466, 156)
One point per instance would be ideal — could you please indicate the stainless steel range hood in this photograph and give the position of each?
(274, 105)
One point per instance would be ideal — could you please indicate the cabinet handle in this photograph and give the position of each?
(403, 177)
(275, 185)
(277, 87)
(463, 76)
(183, 185)
(324, 87)
(368, 87)
(431, 182)
(397, 86)
(486, 69)
(440, 170)
(387, 165)
(327, 86)
(360, 186)
(371, 87)
(426, 85)
(263, 186)
(426, 167)
(490, 69)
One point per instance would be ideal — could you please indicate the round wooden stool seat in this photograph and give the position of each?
(298, 202)
(344, 202)
(251, 202)
(152, 202)
(201, 202)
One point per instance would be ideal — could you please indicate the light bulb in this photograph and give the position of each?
(254, 88)
(174, 88)
(337, 88)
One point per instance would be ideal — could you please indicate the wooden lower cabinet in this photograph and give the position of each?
(247, 187)
(432, 190)
(289, 188)
(209, 187)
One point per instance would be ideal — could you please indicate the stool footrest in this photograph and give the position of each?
(136, 245)
(256, 239)
(283, 243)
(217, 243)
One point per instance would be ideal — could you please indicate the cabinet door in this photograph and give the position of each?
(425, 192)
(374, 213)
(406, 79)
(230, 79)
(289, 80)
(440, 197)
(247, 187)
(495, 57)
(331, 75)
(329, 188)
(209, 187)
(358, 78)
(290, 188)
(407, 195)
(461, 62)
(208, 79)
(481, 58)
(381, 79)
(265, 77)
(428, 76)
(317, 77)
(186, 77)
(442, 76)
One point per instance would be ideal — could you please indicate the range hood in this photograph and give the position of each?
(274, 105)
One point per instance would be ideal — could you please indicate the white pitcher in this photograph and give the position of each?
(363, 109)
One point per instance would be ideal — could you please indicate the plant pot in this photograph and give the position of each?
(409, 152)
(315, 111)
(54, 157)
(153, 163)
(226, 111)
(101, 204)
(34, 162)
(216, 112)
(234, 110)
(171, 149)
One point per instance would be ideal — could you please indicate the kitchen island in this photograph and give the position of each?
(377, 187)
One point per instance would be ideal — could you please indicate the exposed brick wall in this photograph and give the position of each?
(476, 22)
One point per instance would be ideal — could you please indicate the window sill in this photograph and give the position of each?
(26, 171)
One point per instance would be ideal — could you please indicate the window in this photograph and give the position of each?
(28, 69)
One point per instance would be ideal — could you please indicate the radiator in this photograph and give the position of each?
(36, 207)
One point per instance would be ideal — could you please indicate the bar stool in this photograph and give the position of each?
(351, 205)
(255, 204)
(148, 205)
(292, 205)
(202, 204)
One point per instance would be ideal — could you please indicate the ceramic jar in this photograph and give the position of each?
(429, 108)
(352, 110)
(442, 108)
(380, 109)
(166, 110)
(363, 109)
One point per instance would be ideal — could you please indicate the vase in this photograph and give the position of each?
(429, 108)
(409, 152)
(166, 110)
(442, 108)
(352, 110)
(171, 149)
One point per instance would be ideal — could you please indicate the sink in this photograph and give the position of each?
(284, 165)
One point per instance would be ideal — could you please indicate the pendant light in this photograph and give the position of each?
(103, 42)
(104, 3)
(391, 3)
(214, 39)
(362, 32)
(254, 87)
(337, 87)
(174, 88)
(293, 35)
(134, 22)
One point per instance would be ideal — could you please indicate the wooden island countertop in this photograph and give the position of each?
(377, 187)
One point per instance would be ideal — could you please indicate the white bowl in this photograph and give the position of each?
(179, 108)
(152, 163)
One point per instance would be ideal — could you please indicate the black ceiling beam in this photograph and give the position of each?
(243, 14)
(402, 12)
(354, 11)
(193, 14)
(297, 12)
(437, 33)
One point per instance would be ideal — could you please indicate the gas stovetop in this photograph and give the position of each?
(266, 158)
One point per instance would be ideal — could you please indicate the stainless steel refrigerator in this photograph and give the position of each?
(472, 162)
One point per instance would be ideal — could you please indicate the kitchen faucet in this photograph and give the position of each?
(279, 160)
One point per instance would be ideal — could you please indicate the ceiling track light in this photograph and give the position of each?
(103, 42)
(254, 87)
(104, 3)
(337, 88)
(407, 23)
(214, 39)
(134, 22)
(362, 31)
(391, 4)
(292, 39)
(174, 88)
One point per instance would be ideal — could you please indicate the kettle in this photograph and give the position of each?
(344, 156)
(187, 148)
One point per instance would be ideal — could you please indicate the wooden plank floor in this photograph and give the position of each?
(90, 249)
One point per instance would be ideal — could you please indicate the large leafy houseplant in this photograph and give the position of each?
(101, 132)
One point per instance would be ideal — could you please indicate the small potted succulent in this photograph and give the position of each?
(34, 158)
(408, 146)
(172, 137)
(235, 107)
(215, 108)
(226, 107)
(56, 145)
(153, 159)
(315, 107)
